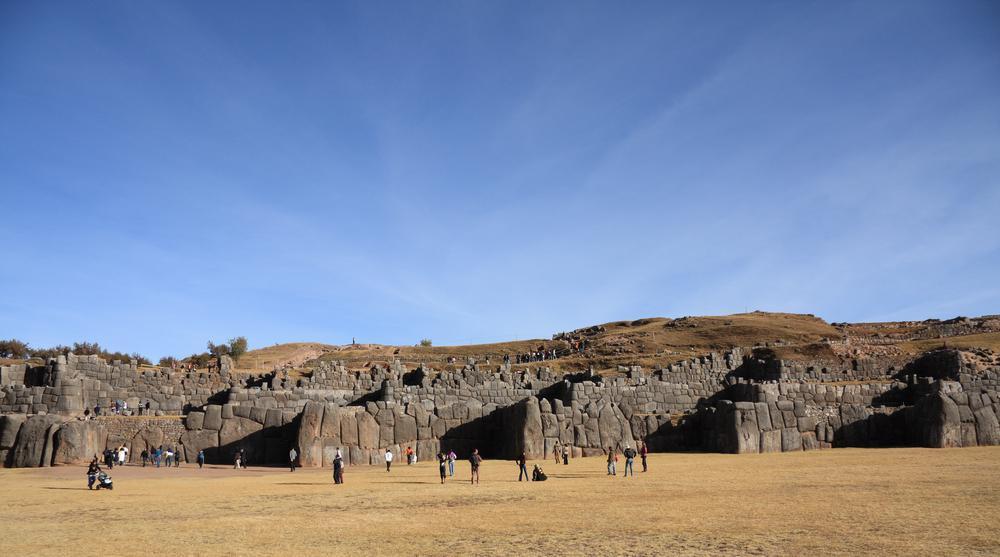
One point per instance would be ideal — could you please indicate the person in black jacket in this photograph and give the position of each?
(522, 465)
(629, 454)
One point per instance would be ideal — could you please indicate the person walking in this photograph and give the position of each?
(565, 455)
(474, 461)
(612, 458)
(643, 451)
(144, 455)
(388, 459)
(338, 469)
(522, 466)
(177, 457)
(629, 454)
(442, 466)
(92, 471)
(451, 463)
(292, 455)
(201, 458)
(238, 457)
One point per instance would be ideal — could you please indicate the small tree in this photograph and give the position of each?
(87, 348)
(237, 347)
(217, 349)
(14, 348)
(168, 361)
(426, 342)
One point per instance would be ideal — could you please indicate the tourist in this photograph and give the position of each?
(522, 467)
(109, 459)
(243, 459)
(177, 457)
(97, 409)
(122, 455)
(565, 455)
(237, 460)
(643, 451)
(92, 471)
(629, 454)
(388, 460)
(144, 455)
(556, 452)
(452, 457)
(338, 468)
(474, 461)
(537, 475)
(292, 455)
(442, 465)
(147, 407)
(169, 460)
(612, 459)
(409, 455)
(201, 458)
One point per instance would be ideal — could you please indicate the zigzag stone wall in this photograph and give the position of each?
(736, 402)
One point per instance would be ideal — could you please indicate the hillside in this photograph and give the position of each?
(660, 341)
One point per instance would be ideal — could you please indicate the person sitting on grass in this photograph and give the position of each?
(537, 475)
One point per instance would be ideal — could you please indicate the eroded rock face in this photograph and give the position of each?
(202, 439)
(145, 439)
(32, 440)
(78, 442)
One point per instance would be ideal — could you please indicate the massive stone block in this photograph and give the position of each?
(29, 449)
(194, 420)
(202, 439)
(147, 438)
(330, 429)
(213, 417)
(348, 428)
(235, 433)
(10, 424)
(405, 429)
(368, 431)
(987, 426)
(77, 442)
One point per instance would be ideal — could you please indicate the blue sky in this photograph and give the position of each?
(174, 172)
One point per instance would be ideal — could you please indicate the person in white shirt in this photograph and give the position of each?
(388, 459)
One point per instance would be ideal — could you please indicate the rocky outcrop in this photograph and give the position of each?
(34, 441)
(78, 441)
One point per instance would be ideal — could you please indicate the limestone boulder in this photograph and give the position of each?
(348, 428)
(235, 430)
(330, 428)
(405, 429)
(146, 439)
(368, 431)
(194, 420)
(77, 442)
(10, 424)
(213, 417)
(202, 439)
(32, 440)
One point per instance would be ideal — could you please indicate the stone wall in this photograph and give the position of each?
(737, 401)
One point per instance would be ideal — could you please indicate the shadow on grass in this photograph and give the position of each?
(69, 488)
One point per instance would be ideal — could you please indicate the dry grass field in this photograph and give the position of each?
(833, 502)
